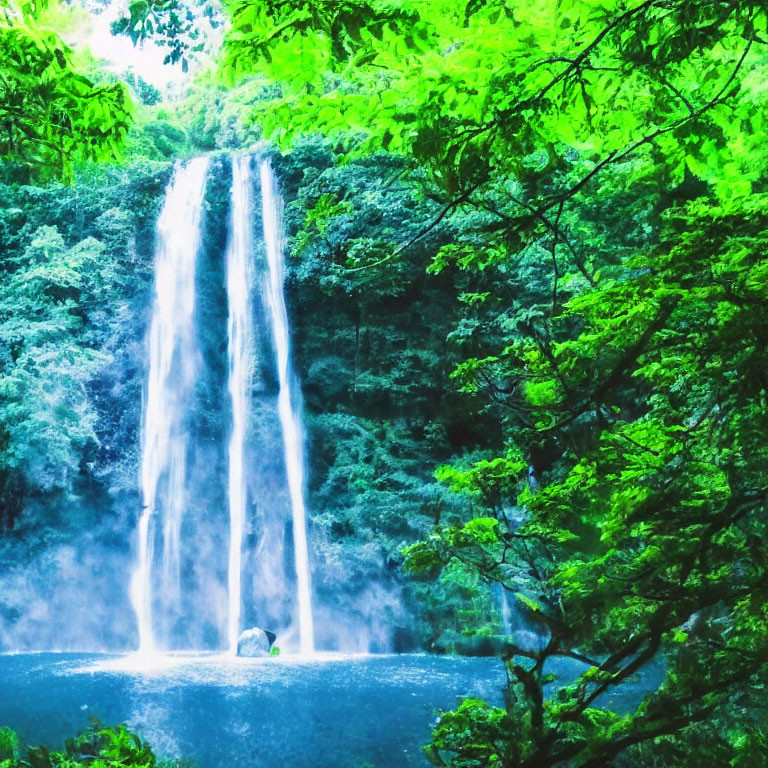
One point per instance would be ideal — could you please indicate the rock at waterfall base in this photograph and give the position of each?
(255, 642)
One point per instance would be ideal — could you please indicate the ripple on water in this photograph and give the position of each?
(323, 711)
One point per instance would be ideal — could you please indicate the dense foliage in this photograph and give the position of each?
(53, 115)
(614, 322)
(374, 363)
(99, 745)
(528, 249)
(75, 272)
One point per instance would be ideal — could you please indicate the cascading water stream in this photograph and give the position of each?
(172, 595)
(239, 275)
(290, 418)
(173, 358)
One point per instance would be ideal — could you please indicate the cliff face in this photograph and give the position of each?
(372, 360)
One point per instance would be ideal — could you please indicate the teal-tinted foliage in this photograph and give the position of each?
(529, 283)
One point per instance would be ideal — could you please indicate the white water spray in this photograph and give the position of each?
(239, 272)
(173, 361)
(290, 419)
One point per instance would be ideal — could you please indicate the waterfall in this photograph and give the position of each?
(505, 607)
(239, 273)
(187, 589)
(173, 359)
(290, 418)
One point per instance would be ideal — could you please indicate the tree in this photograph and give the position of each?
(649, 537)
(51, 115)
(176, 25)
(47, 417)
(625, 510)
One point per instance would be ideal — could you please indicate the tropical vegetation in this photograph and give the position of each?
(529, 275)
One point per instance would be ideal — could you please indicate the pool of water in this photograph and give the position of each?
(326, 712)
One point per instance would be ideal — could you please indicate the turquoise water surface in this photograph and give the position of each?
(331, 711)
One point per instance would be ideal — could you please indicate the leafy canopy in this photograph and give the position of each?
(610, 157)
(507, 90)
(52, 116)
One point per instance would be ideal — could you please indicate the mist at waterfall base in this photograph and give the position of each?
(181, 600)
(83, 590)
